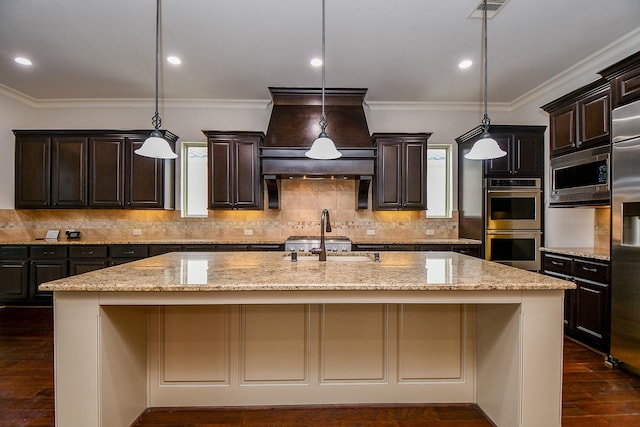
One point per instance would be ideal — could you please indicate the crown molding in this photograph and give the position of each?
(584, 71)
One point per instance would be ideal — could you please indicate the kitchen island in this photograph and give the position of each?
(220, 329)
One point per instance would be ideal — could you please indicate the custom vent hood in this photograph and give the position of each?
(293, 127)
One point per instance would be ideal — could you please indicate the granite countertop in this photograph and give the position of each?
(593, 253)
(274, 271)
(172, 241)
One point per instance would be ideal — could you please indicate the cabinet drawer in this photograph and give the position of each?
(129, 251)
(88, 252)
(46, 252)
(13, 252)
(558, 264)
(595, 272)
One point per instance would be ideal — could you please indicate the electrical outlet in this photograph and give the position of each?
(137, 232)
(371, 232)
(248, 232)
(431, 232)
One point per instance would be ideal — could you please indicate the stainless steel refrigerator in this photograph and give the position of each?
(625, 235)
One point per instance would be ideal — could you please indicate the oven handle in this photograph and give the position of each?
(513, 233)
(517, 190)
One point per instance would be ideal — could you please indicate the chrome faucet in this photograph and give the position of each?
(323, 249)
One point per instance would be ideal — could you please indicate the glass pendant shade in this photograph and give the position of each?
(323, 148)
(157, 147)
(485, 148)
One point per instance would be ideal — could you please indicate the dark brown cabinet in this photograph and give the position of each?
(14, 270)
(525, 152)
(401, 171)
(83, 259)
(32, 171)
(234, 170)
(95, 169)
(47, 263)
(107, 172)
(625, 80)
(580, 119)
(587, 308)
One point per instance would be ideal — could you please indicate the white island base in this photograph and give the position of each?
(118, 353)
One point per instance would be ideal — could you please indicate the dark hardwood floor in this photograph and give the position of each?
(593, 395)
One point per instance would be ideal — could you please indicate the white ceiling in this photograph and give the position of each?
(401, 50)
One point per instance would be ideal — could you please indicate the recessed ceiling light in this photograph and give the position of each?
(174, 60)
(466, 63)
(316, 62)
(23, 61)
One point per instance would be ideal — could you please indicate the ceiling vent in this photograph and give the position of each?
(493, 7)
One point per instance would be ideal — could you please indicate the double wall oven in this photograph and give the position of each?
(513, 221)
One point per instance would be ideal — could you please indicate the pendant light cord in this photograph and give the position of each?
(323, 119)
(485, 118)
(157, 121)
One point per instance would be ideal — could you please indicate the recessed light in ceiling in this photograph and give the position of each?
(465, 63)
(174, 60)
(316, 62)
(23, 61)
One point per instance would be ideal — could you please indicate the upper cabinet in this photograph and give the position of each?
(89, 169)
(234, 170)
(524, 146)
(625, 80)
(580, 119)
(401, 171)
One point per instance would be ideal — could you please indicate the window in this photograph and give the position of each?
(194, 179)
(439, 181)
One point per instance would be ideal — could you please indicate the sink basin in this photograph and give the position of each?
(333, 258)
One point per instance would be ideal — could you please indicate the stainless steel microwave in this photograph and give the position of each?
(581, 178)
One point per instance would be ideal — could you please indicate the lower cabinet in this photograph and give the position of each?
(47, 263)
(14, 273)
(83, 259)
(587, 315)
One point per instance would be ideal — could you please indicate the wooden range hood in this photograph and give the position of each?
(293, 127)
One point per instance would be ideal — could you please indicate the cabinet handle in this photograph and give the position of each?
(87, 253)
(593, 270)
(129, 252)
(561, 264)
(48, 253)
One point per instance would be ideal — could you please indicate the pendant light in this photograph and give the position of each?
(323, 147)
(486, 147)
(156, 146)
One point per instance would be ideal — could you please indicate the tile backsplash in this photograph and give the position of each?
(301, 202)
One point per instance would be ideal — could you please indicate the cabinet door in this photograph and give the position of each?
(246, 173)
(33, 172)
(527, 152)
(593, 119)
(627, 87)
(502, 166)
(389, 176)
(145, 183)
(79, 266)
(414, 193)
(221, 174)
(13, 280)
(563, 130)
(69, 156)
(592, 313)
(45, 271)
(106, 172)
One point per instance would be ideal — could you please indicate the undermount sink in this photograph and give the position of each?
(339, 257)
